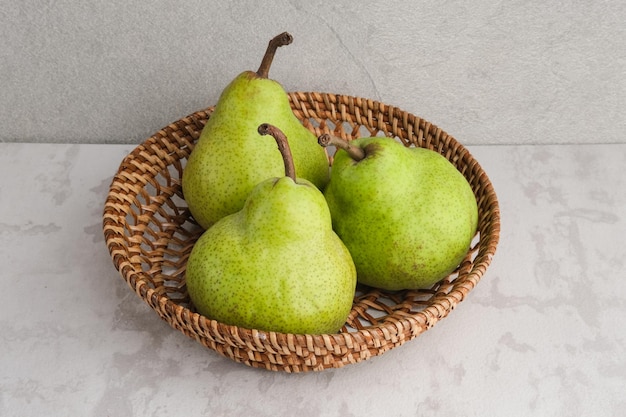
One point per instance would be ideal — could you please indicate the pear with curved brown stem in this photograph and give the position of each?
(230, 157)
(407, 215)
(276, 265)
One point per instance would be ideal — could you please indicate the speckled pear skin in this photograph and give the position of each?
(406, 214)
(276, 265)
(230, 157)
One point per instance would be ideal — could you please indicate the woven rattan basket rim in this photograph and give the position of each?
(320, 112)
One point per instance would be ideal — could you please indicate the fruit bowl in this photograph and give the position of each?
(149, 233)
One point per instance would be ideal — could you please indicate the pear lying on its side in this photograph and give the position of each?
(407, 215)
(230, 158)
(275, 265)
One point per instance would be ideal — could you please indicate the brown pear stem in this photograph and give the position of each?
(279, 40)
(283, 147)
(354, 152)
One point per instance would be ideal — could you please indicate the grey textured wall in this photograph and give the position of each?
(488, 72)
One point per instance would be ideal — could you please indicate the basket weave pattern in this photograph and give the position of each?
(149, 233)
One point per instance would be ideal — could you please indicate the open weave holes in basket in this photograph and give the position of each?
(149, 233)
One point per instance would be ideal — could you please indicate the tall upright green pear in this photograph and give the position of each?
(407, 215)
(230, 158)
(275, 265)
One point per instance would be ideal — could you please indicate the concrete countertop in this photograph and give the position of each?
(542, 334)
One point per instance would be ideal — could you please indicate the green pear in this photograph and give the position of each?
(407, 215)
(276, 265)
(230, 158)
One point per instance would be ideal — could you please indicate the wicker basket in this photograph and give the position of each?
(149, 233)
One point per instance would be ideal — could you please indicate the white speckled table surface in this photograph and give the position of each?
(543, 333)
